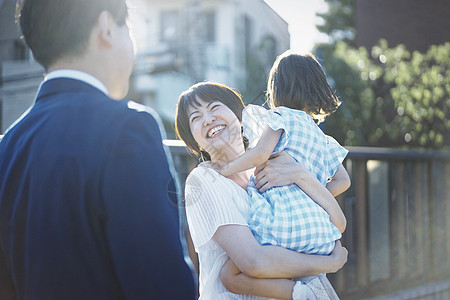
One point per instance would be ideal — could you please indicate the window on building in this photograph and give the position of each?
(248, 31)
(269, 49)
(169, 28)
(210, 26)
(21, 52)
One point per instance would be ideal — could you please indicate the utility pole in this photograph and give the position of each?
(195, 39)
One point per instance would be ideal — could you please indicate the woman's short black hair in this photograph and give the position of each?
(207, 92)
(298, 81)
(55, 28)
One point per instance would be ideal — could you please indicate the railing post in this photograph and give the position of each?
(398, 221)
(421, 216)
(440, 217)
(360, 183)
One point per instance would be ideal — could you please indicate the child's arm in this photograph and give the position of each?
(340, 182)
(322, 196)
(255, 156)
(237, 282)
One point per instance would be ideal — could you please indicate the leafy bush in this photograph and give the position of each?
(390, 96)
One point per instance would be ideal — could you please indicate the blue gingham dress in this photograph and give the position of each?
(285, 216)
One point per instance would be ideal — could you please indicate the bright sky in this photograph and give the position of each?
(302, 20)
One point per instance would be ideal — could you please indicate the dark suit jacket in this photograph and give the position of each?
(84, 207)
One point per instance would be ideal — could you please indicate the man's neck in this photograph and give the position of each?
(80, 65)
(77, 75)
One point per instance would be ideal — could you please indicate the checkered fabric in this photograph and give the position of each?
(286, 216)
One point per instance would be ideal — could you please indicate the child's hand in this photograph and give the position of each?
(211, 165)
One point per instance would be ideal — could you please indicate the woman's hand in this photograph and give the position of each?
(281, 169)
(339, 257)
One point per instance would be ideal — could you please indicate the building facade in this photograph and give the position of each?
(182, 42)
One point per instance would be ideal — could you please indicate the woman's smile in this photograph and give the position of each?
(215, 131)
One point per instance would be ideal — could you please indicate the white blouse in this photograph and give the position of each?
(212, 201)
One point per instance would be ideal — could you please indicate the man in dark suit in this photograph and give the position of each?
(84, 179)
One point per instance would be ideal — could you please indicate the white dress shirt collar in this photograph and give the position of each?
(77, 75)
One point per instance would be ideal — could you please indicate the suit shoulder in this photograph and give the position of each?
(135, 107)
(125, 111)
(132, 108)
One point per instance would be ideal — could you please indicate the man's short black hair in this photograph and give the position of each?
(55, 28)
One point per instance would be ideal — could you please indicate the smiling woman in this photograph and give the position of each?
(200, 105)
(218, 208)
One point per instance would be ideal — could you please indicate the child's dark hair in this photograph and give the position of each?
(298, 81)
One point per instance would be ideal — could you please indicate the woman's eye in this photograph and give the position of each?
(194, 118)
(214, 107)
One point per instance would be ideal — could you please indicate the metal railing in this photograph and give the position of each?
(398, 222)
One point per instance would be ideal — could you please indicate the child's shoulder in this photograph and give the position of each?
(253, 109)
(286, 112)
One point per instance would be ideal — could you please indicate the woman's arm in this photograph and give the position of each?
(340, 182)
(283, 170)
(271, 261)
(255, 156)
(239, 283)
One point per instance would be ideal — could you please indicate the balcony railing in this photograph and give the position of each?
(398, 223)
(398, 213)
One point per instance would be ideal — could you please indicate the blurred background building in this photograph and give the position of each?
(19, 74)
(179, 43)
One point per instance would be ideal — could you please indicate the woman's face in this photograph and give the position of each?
(215, 128)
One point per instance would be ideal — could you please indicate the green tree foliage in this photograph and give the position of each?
(339, 21)
(422, 97)
(390, 96)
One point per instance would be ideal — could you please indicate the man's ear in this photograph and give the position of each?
(105, 23)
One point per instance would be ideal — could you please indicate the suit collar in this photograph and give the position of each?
(60, 85)
(79, 75)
